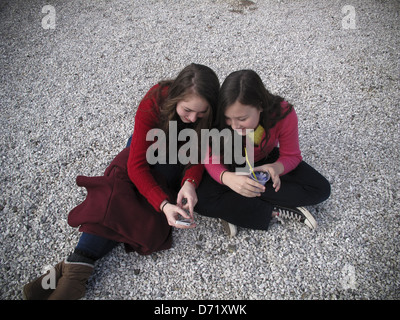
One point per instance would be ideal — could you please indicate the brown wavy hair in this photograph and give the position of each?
(246, 87)
(193, 79)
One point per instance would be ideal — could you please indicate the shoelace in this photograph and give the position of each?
(286, 214)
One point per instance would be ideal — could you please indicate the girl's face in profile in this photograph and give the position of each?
(192, 108)
(241, 117)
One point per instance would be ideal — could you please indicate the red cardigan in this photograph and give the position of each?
(114, 209)
(147, 118)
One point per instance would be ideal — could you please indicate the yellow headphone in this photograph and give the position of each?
(256, 135)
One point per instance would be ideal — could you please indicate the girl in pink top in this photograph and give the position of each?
(238, 200)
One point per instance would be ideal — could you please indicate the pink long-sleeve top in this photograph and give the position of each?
(284, 134)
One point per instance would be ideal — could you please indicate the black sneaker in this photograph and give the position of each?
(300, 214)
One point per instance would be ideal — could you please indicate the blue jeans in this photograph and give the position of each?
(94, 247)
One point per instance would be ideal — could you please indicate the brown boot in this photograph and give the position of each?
(72, 284)
(36, 290)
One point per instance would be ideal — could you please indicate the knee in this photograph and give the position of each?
(325, 189)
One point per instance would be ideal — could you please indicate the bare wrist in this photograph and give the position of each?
(163, 204)
(225, 177)
(221, 176)
(279, 167)
(191, 181)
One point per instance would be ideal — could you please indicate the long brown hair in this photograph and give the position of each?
(193, 79)
(246, 87)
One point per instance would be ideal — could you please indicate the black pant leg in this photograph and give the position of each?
(303, 186)
(219, 201)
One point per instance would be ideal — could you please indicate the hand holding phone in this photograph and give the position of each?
(185, 222)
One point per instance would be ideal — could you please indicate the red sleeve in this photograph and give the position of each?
(213, 166)
(288, 137)
(146, 118)
(195, 173)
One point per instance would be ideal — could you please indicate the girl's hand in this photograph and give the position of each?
(243, 185)
(172, 213)
(274, 169)
(188, 192)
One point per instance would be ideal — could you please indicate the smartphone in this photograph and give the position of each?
(184, 222)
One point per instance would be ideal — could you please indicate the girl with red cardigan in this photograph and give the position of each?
(136, 202)
(245, 103)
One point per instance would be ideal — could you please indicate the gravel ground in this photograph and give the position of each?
(68, 98)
